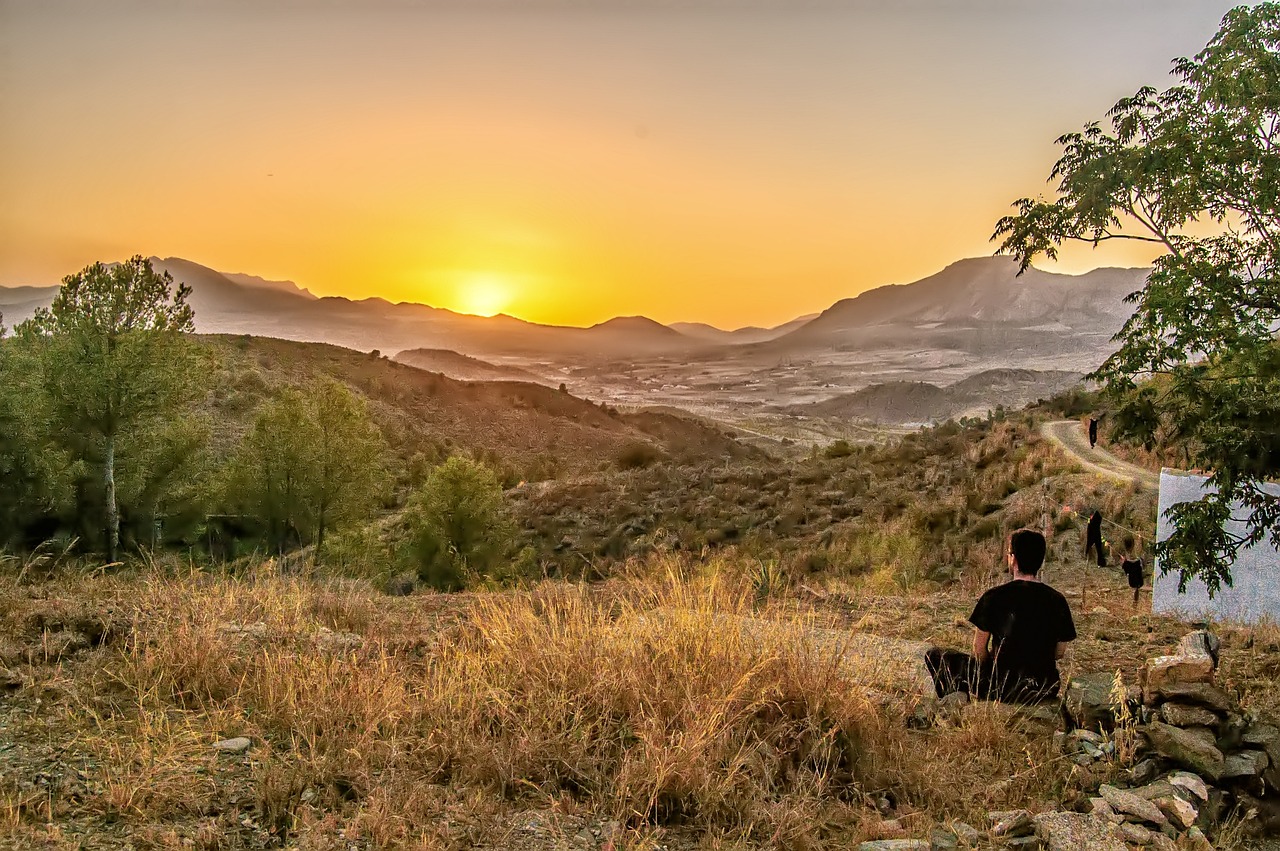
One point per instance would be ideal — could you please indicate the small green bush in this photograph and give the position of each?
(839, 449)
(458, 525)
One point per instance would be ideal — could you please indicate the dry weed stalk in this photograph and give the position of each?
(1125, 733)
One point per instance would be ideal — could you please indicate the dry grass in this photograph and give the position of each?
(442, 722)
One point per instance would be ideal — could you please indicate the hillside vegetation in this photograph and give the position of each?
(930, 506)
(526, 431)
(636, 713)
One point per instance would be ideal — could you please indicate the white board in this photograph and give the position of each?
(1255, 592)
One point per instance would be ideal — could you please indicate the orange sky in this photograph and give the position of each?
(734, 163)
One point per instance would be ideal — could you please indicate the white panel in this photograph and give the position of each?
(1255, 594)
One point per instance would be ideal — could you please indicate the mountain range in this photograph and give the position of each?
(980, 306)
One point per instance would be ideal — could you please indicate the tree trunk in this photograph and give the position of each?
(113, 514)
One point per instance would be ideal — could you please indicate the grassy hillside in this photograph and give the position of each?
(933, 506)
(524, 430)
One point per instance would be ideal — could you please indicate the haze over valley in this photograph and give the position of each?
(962, 341)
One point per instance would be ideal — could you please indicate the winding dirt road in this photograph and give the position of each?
(1072, 438)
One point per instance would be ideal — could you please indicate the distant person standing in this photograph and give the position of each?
(1093, 432)
(1133, 568)
(1093, 538)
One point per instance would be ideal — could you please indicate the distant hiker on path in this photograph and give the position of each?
(1093, 538)
(1133, 568)
(1020, 631)
(1093, 432)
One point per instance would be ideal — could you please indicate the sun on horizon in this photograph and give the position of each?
(484, 294)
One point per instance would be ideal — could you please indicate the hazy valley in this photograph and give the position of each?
(940, 347)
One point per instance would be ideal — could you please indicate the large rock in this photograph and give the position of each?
(1192, 784)
(1134, 834)
(1188, 715)
(1166, 670)
(1203, 694)
(1244, 764)
(1266, 736)
(238, 745)
(1131, 805)
(1088, 700)
(1193, 749)
(1199, 643)
(1076, 831)
(1009, 823)
(1180, 812)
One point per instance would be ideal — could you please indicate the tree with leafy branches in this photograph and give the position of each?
(312, 462)
(30, 484)
(1195, 171)
(349, 450)
(115, 361)
(457, 524)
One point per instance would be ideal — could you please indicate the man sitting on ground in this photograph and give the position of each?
(1020, 631)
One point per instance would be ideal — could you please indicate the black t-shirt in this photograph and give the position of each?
(1026, 621)
(1133, 569)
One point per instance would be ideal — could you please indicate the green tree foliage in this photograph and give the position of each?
(116, 369)
(349, 451)
(311, 463)
(30, 487)
(457, 524)
(1203, 152)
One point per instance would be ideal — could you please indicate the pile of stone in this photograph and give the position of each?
(1199, 755)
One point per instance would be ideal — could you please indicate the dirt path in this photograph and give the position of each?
(1071, 437)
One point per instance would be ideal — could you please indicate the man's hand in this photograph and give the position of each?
(1060, 650)
(981, 645)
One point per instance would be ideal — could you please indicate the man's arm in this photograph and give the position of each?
(1060, 650)
(981, 644)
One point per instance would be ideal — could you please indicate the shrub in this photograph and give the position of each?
(839, 449)
(637, 455)
(457, 524)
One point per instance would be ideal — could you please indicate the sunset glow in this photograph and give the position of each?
(739, 165)
(484, 295)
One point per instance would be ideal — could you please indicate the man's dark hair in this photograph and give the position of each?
(1028, 547)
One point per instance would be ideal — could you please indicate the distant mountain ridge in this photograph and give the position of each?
(915, 402)
(463, 368)
(749, 334)
(978, 305)
(985, 291)
(263, 283)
